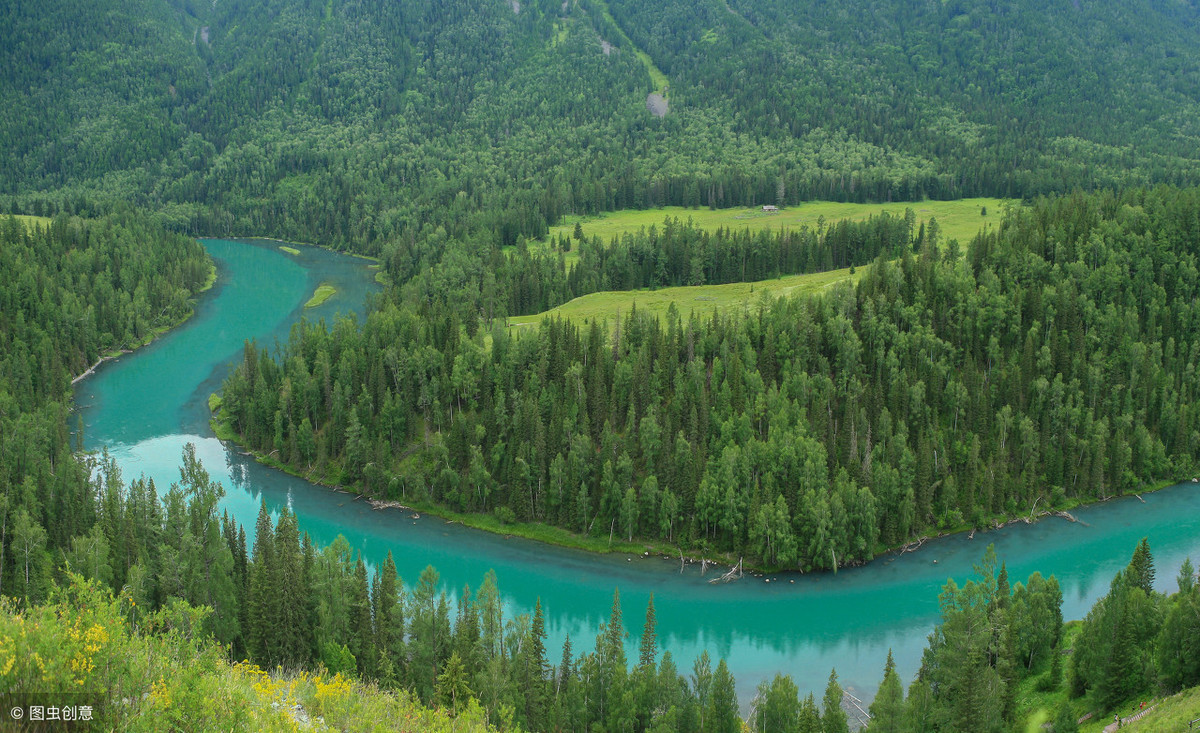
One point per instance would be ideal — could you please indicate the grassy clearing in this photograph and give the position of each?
(290, 250)
(700, 299)
(1036, 706)
(549, 534)
(959, 219)
(560, 33)
(31, 221)
(323, 293)
(1172, 713)
(657, 77)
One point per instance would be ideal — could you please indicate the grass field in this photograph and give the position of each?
(959, 219)
(290, 250)
(701, 299)
(1173, 713)
(31, 221)
(657, 78)
(323, 293)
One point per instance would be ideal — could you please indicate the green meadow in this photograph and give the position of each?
(701, 299)
(31, 221)
(960, 219)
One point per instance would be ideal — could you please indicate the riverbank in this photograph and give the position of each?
(154, 333)
(487, 522)
(614, 543)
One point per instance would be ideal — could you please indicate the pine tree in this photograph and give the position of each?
(453, 687)
(648, 648)
(1187, 577)
(430, 629)
(1065, 720)
(777, 706)
(833, 719)
(535, 688)
(887, 709)
(1141, 568)
(292, 620)
(362, 632)
(261, 593)
(389, 623)
(723, 707)
(810, 716)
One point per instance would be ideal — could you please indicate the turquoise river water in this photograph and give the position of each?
(145, 406)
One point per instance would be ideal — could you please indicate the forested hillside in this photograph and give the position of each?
(1049, 362)
(73, 290)
(378, 126)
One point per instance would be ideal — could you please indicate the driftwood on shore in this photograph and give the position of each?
(863, 716)
(1071, 518)
(377, 504)
(734, 573)
(92, 369)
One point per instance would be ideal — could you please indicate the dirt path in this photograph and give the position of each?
(1112, 727)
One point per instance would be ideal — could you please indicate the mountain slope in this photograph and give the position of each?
(358, 124)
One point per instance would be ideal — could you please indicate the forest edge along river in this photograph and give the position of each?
(146, 406)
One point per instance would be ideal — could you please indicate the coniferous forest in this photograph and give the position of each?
(1047, 362)
(1051, 360)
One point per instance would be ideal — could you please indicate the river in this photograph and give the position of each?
(145, 406)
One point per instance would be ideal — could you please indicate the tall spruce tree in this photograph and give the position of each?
(887, 709)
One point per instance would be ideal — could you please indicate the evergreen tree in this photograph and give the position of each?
(776, 706)
(810, 716)
(1141, 568)
(722, 714)
(833, 719)
(1065, 720)
(262, 593)
(291, 619)
(887, 709)
(648, 646)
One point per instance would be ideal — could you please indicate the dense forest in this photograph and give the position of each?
(997, 642)
(390, 127)
(73, 291)
(1049, 362)
(108, 580)
(190, 595)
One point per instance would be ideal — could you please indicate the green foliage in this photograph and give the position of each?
(1065, 720)
(995, 384)
(391, 128)
(776, 706)
(75, 290)
(887, 709)
(1131, 646)
(833, 718)
(322, 294)
(144, 671)
(1114, 649)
